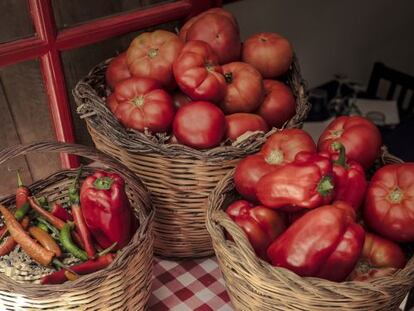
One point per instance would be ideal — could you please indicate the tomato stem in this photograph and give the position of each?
(229, 77)
(396, 196)
(152, 53)
(275, 157)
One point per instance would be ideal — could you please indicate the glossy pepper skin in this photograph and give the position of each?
(307, 182)
(261, 224)
(325, 242)
(350, 181)
(106, 209)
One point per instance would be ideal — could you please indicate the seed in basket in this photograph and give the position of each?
(270, 53)
(199, 125)
(279, 104)
(245, 91)
(326, 242)
(261, 224)
(198, 73)
(239, 123)
(305, 183)
(389, 203)
(219, 29)
(152, 54)
(360, 137)
(283, 146)
(140, 103)
(117, 70)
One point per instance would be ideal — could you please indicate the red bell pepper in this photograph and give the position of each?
(305, 183)
(350, 181)
(261, 224)
(106, 209)
(326, 242)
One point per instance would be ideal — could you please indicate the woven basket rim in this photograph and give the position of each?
(133, 182)
(218, 221)
(91, 91)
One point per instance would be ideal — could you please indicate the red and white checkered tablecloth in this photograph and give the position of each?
(189, 285)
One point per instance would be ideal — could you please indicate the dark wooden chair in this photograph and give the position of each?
(396, 80)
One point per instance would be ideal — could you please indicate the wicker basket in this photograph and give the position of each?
(179, 178)
(125, 284)
(253, 284)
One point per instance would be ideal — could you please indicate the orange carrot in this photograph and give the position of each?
(45, 240)
(8, 245)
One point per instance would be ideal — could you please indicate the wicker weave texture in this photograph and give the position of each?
(253, 284)
(125, 284)
(179, 178)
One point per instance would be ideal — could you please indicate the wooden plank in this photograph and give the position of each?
(23, 88)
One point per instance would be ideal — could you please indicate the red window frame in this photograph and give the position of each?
(48, 43)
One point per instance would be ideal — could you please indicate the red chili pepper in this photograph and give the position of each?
(60, 212)
(326, 242)
(83, 230)
(261, 224)
(86, 267)
(22, 192)
(305, 183)
(106, 209)
(350, 181)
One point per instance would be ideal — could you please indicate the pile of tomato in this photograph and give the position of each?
(202, 86)
(312, 209)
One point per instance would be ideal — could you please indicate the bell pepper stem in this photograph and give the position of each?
(325, 186)
(103, 183)
(337, 146)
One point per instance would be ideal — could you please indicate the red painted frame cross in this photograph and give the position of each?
(48, 44)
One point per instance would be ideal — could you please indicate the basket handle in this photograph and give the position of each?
(75, 149)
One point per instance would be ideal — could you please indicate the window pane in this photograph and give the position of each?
(15, 21)
(77, 63)
(24, 118)
(69, 13)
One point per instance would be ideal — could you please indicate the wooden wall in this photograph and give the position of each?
(24, 115)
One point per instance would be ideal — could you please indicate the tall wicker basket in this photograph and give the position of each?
(253, 284)
(179, 178)
(124, 285)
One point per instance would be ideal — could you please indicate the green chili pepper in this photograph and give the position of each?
(43, 202)
(55, 231)
(67, 243)
(21, 212)
(43, 227)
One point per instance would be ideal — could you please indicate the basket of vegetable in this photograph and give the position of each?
(311, 232)
(181, 111)
(78, 239)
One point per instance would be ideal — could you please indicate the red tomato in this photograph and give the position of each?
(360, 137)
(220, 32)
(269, 53)
(244, 88)
(184, 30)
(382, 253)
(279, 104)
(240, 123)
(283, 146)
(180, 99)
(152, 54)
(198, 73)
(248, 173)
(140, 103)
(389, 204)
(117, 70)
(199, 125)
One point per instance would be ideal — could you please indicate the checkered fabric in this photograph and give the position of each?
(190, 285)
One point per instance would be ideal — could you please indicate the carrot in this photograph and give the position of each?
(83, 230)
(30, 247)
(8, 245)
(45, 240)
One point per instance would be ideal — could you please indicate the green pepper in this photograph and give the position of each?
(67, 243)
